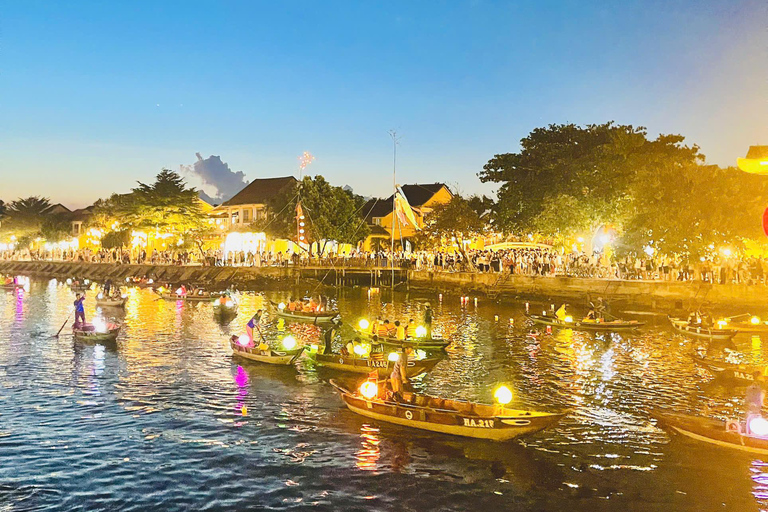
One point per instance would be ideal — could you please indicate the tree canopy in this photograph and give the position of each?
(570, 179)
(457, 219)
(167, 205)
(331, 213)
(25, 216)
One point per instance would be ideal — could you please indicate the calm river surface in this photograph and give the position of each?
(156, 422)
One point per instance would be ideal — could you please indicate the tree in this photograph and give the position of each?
(455, 220)
(116, 239)
(167, 206)
(331, 214)
(25, 216)
(56, 228)
(592, 168)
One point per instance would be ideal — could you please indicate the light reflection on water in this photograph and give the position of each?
(167, 419)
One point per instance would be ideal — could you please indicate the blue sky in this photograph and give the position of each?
(97, 95)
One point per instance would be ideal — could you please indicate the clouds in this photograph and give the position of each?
(218, 181)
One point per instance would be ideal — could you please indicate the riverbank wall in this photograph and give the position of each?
(663, 295)
(666, 295)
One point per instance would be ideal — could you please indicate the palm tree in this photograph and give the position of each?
(26, 214)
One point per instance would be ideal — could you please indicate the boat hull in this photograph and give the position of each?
(365, 366)
(703, 333)
(188, 298)
(95, 336)
(276, 357)
(118, 303)
(710, 431)
(307, 317)
(613, 326)
(420, 343)
(721, 369)
(499, 428)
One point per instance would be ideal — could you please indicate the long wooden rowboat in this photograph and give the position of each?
(422, 343)
(588, 325)
(224, 311)
(110, 302)
(712, 431)
(454, 417)
(302, 316)
(87, 332)
(280, 357)
(761, 327)
(364, 365)
(704, 333)
(739, 372)
(190, 297)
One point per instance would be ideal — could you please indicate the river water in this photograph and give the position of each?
(167, 419)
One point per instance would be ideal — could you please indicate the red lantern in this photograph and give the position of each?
(765, 222)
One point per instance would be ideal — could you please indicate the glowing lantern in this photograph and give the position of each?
(393, 356)
(69, 280)
(289, 342)
(359, 350)
(722, 323)
(758, 426)
(244, 340)
(313, 347)
(568, 319)
(179, 291)
(503, 395)
(229, 303)
(151, 281)
(369, 389)
(420, 354)
(124, 296)
(263, 347)
(364, 324)
(101, 296)
(281, 306)
(421, 331)
(754, 320)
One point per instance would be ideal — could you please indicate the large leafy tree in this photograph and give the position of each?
(331, 213)
(56, 228)
(457, 220)
(25, 216)
(568, 179)
(167, 206)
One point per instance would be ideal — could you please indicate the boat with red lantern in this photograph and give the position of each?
(365, 365)
(264, 354)
(750, 435)
(455, 417)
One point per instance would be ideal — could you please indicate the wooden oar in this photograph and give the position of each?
(62, 325)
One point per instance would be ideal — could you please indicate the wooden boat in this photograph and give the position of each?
(305, 316)
(729, 434)
(189, 297)
(365, 365)
(587, 325)
(114, 302)
(700, 332)
(739, 372)
(88, 332)
(280, 357)
(481, 421)
(417, 343)
(10, 287)
(748, 326)
(228, 309)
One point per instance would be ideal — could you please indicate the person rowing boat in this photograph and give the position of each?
(252, 324)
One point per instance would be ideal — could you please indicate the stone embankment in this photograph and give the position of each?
(653, 294)
(664, 295)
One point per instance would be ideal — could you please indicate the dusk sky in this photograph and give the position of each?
(97, 95)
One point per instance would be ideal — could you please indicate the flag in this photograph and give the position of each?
(299, 211)
(404, 211)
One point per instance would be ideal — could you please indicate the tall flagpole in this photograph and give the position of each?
(395, 140)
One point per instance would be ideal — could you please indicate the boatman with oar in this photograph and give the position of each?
(79, 309)
(252, 324)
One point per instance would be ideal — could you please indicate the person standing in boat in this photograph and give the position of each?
(79, 309)
(252, 324)
(399, 376)
(428, 321)
(330, 335)
(755, 396)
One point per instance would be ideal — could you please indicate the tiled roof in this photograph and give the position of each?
(260, 190)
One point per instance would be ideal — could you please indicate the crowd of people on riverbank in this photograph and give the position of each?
(527, 261)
